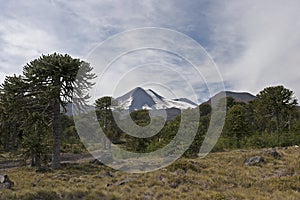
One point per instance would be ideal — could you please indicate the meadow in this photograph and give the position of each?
(219, 176)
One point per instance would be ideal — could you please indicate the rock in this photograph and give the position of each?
(273, 153)
(124, 181)
(174, 184)
(96, 162)
(108, 174)
(119, 183)
(252, 161)
(180, 172)
(5, 182)
(162, 179)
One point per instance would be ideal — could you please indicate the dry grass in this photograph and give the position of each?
(218, 176)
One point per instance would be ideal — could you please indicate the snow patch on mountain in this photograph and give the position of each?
(138, 99)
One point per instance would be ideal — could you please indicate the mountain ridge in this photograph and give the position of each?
(245, 97)
(139, 98)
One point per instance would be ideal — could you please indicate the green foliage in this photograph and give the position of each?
(30, 109)
(35, 139)
(51, 80)
(274, 103)
(106, 120)
(205, 109)
(47, 84)
(237, 124)
(140, 117)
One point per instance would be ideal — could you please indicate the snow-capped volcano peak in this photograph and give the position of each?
(138, 99)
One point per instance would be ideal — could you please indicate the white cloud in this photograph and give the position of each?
(254, 43)
(261, 40)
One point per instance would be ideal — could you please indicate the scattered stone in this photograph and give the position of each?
(108, 174)
(252, 161)
(119, 183)
(175, 184)
(273, 153)
(96, 162)
(5, 182)
(180, 172)
(162, 179)
(124, 181)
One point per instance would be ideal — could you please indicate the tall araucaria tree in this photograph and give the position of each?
(54, 78)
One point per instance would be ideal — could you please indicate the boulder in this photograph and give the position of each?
(252, 161)
(5, 182)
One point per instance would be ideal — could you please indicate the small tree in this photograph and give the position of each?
(106, 119)
(237, 123)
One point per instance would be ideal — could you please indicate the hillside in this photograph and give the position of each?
(217, 176)
(238, 96)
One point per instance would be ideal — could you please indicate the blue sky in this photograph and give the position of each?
(254, 43)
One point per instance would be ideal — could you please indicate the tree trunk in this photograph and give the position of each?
(14, 137)
(277, 127)
(105, 129)
(56, 128)
(37, 160)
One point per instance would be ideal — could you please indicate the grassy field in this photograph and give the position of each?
(218, 176)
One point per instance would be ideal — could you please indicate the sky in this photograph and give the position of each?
(254, 44)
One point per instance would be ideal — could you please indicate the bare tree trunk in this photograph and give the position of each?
(289, 122)
(56, 136)
(277, 127)
(105, 129)
(38, 161)
(14, 137)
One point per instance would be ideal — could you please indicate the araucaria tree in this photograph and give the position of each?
(276, 103)
(52, 79)
(106, 119)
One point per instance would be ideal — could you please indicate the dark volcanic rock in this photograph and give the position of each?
(5, 182)
(252, 161)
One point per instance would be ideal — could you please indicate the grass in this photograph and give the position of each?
(218, 176)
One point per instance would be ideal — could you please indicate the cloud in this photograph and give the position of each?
(254, 43)
(257, 44)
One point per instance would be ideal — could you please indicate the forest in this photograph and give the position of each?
(33, 122)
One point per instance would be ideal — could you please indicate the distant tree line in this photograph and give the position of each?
(272, 119)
